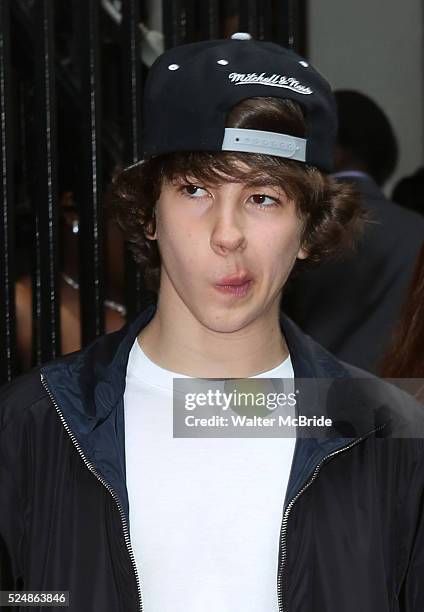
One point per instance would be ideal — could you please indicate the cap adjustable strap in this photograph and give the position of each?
(269, 143)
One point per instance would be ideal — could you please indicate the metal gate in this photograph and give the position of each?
(71, 81)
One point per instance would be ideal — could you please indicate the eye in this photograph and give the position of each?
(259, 200)
(192, 191)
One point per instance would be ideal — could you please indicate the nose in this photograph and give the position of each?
(227, 233)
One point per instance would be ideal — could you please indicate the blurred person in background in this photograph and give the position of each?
(409, 191)
(405, 357)
(351, 306)
(69, 293)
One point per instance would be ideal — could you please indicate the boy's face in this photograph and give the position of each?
(206, 233)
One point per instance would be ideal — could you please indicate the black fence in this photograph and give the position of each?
(71, 81)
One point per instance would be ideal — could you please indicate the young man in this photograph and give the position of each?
(98, 497)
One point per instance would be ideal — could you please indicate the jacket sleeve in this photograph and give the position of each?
(411, 596)
(11, 517)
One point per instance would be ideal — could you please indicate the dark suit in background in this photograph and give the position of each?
(351, 306)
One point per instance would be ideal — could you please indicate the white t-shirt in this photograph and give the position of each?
(205, 513)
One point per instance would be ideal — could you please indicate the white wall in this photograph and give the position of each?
(376, 47)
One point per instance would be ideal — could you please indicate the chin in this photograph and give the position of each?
(226, 321)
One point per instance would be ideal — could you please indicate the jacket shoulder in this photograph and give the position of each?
(25, 391)
(17, 396)
(364, 395)
(396, 402)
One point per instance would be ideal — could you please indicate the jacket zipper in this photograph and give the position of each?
(105, 484)
(281, 607)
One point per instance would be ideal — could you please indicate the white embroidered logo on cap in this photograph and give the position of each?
(275, 80)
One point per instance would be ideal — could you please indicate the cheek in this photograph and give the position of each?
(278, 251)
(282, 241)
(180, 245)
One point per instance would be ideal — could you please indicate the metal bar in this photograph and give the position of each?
(7, 289)
(136, 293)
(291, 24)
(46, 323)
(301, 39)
(283, 22)
(208, 19)
(190, 21)
(229, 17)
(248, 17)
(91, 271)
(265, 21)
(132, 79)
(173, 23)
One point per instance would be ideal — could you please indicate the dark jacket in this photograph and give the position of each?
(352, 306)
(352, 536)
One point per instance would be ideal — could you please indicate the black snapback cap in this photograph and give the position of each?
(191, 88)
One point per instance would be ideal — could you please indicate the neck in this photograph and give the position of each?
(178, 341)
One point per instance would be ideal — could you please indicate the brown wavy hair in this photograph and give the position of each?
(405, 357)
(330, 210)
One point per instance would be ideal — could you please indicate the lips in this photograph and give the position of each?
(235, 279)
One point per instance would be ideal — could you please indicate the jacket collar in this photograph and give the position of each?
(88, 388)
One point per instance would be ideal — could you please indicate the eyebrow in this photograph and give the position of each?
(261, 183)
(248, 183)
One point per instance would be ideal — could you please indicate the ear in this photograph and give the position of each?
(148, 233)
(302, 253)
